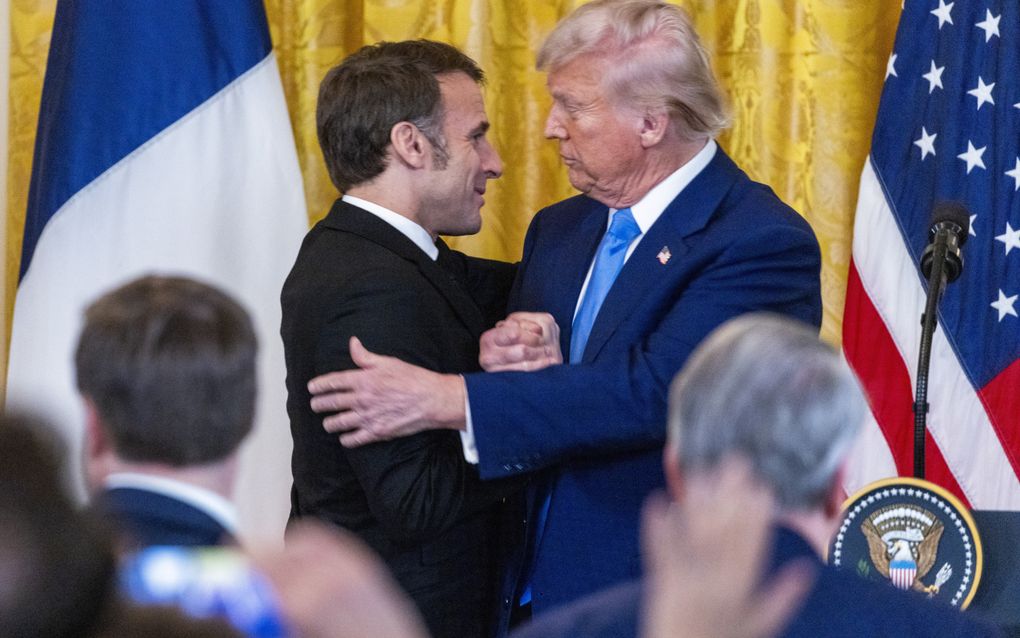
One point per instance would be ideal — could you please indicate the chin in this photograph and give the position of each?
(468, 228)
(581, 181)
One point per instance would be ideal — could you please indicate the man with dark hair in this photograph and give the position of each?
(166, 367)
(402, 127)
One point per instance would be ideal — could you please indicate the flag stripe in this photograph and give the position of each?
(1001, 397)
(872, 355)
(881, 371)
(159, 59)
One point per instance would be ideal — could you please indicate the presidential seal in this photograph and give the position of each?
(913, 534)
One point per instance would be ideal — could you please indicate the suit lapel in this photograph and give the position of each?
(453, 289)
(683, 217)
(351, 219)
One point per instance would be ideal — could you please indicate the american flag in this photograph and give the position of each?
(948, 128)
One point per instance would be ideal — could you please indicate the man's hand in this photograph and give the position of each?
(524, 341)
(386, 399)
(705, 558)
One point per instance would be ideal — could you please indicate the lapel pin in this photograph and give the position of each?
(664, 255)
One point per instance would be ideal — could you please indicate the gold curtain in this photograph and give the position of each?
(803, 76)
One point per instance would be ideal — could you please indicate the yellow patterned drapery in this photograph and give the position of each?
(803, 77)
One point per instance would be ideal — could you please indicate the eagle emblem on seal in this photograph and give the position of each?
(903, 542)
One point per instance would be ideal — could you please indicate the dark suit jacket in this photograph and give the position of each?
(598, 426)
(414, 500)
(143, 519)
(840, 604)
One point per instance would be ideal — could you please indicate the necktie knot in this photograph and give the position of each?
(623, 227)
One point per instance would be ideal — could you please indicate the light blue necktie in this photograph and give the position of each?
(608, 263)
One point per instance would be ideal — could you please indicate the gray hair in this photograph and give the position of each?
(657, 61)
(766, 387)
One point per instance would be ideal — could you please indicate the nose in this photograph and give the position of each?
(491, 162)
(553, 124)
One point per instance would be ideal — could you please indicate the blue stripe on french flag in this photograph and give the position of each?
(121, 71)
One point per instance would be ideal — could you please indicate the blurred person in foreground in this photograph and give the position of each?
(765, 389)
(166, 368)
(57, 564)
(668, 240)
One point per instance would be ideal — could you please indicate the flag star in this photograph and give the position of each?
(944, 13)
(990, 25)
(970, 229)
(983, 93)
(1015, 174)
(973, 156)
(1004, 305)
(890, 67)
(1011, 238)
(926, 143)
(934, 77)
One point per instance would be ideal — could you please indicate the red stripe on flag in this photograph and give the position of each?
(876, 361)
(873, 356)
(1001, 398)
(937, 470)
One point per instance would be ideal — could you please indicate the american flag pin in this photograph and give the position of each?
(664, 255)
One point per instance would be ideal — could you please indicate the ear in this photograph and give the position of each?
(836, 495)
(674, 474)
(410, 146)
(654, 125)
(96, 441)
(98, 449)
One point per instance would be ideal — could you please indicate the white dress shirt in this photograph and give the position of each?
(421, 237)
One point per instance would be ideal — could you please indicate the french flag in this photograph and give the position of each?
(163, 146)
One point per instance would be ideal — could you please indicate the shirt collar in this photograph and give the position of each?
(651, 206)
(407, 228)
(219, 508)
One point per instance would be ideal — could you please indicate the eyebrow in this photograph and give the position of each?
(482, 128)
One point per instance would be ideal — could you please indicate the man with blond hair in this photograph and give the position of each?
(668, 240)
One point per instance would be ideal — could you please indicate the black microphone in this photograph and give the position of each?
(950, 225)
(941, 264)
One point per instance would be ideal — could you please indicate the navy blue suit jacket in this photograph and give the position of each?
(598, 427)
(145, 518)
(840, 604)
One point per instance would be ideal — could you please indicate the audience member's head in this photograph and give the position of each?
(166, 366)
(766, 388)
(56, 566)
